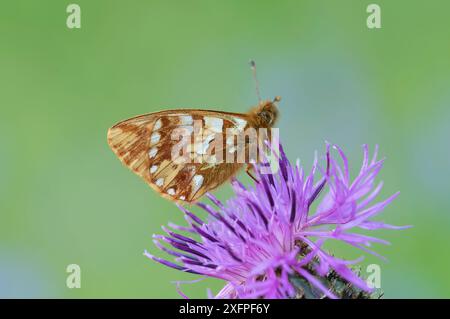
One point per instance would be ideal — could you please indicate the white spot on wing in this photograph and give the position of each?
(153, 151)
(171, 191)
(157, 125)
(182, 131)
(155, 138)
(202, 147)
(186, 120)
(153, 169)
(182, 197)
(214, 124)
(231, 149)
(160, 182)
(197, 181)
(240, 123)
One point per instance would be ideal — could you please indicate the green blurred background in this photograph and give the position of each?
(65, 198)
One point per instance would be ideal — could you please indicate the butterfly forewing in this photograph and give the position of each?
(145, 144)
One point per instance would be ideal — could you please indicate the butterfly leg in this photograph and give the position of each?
(249, 173)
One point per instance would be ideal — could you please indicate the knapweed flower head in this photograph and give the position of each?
(267, 241)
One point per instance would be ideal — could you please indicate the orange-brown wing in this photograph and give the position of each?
(145, 144)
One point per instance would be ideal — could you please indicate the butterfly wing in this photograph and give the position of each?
(145, 144)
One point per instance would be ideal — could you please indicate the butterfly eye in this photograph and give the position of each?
(266, 117)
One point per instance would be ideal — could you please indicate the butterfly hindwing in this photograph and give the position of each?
(145, 144)
(127, 140)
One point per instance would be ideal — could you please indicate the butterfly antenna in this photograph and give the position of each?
(253, 66)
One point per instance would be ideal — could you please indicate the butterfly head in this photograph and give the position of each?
(266, 113)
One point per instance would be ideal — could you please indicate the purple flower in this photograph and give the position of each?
(267, 240)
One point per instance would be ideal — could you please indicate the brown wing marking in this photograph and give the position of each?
(144, 144)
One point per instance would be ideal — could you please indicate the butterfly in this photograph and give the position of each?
(145, 145)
